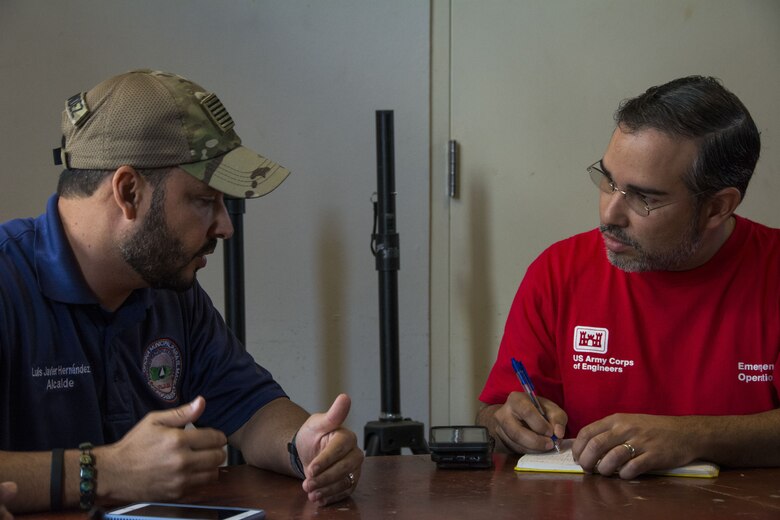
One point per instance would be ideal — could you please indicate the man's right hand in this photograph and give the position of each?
(519, 427)
(160, 460)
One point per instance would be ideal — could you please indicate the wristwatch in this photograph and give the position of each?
(295, 460)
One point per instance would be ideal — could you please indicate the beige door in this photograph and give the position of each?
(527, 89)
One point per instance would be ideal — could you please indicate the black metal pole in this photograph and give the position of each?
(392, 431)
(235, 310)
(387, 264)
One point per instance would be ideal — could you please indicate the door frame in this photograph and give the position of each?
(440, 394)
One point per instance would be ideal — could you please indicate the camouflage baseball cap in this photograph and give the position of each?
(152, 119)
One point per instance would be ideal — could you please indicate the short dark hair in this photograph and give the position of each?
(83, 183)
(700, 108)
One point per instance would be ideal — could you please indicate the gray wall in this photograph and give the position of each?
(302, 80)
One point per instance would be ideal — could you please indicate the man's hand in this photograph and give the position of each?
(158, 459)
(7, 493)
(632, 444)
(519, 426)
(330, 454)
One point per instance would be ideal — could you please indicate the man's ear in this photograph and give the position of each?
(127, 184)
(719, 208)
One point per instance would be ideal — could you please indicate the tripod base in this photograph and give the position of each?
(388, 437)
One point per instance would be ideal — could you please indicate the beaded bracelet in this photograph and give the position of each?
(88, 477)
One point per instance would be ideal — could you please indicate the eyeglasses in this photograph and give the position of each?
(635, 200)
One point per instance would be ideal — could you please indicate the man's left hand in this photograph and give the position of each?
(330, 455)
(632, 444)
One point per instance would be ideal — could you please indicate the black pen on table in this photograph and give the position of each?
(528, 386)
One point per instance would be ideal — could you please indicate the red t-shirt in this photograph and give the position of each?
(598, 340)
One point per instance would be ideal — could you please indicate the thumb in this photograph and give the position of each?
(338, 411)
(7, 492)
(334, 417)
(181, 416)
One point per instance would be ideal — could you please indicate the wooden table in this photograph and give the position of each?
(410, 486)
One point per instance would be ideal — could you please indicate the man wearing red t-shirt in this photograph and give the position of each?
(665, 349)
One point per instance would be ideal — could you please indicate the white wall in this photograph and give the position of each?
(302, 80)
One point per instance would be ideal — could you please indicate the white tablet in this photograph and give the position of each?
(160, 511)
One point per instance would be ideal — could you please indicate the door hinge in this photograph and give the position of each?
(452, 168)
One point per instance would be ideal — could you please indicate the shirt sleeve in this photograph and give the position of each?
(223, 372)
(529, 337)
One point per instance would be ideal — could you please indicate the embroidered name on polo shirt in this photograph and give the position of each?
(60, 377)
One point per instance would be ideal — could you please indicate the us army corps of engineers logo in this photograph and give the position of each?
(162, 368)
(595, 341)
(591, 339)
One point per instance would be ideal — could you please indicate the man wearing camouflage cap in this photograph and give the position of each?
(110, 346)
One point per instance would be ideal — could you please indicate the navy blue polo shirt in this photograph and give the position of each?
(71, 372)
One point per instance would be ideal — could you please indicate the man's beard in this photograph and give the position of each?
(158, 256)
(665, 260)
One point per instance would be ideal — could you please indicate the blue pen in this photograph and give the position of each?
(528, 386)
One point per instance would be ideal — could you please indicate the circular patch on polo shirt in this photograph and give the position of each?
(162, 368)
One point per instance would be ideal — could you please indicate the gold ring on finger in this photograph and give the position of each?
(631, 450)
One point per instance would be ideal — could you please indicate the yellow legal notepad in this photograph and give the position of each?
(563, 462)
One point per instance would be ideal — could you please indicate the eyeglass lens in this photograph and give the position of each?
(603, 182)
